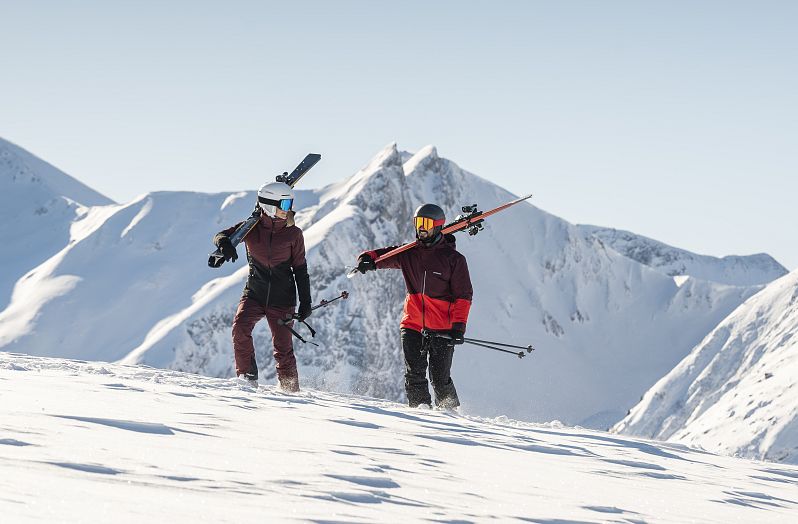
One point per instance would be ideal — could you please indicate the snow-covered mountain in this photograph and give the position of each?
(98, 443)
(737, 391)
(749, 270)
(133, 286)
(39, 205)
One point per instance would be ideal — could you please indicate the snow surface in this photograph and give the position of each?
(133, 286)
(734, 270)
(96, 442)
(736, 392)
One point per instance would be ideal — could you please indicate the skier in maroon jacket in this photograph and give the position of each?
(438, 301)
(277, 271)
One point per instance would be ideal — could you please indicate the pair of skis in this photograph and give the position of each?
(470, 221)
(216, 258)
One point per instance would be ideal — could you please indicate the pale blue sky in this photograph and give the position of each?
(677, 120)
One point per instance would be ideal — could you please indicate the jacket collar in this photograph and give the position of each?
(275, 224)
(447, 240)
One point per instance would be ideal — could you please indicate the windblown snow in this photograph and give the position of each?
(94, 442)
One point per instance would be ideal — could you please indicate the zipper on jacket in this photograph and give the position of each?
(423, 304)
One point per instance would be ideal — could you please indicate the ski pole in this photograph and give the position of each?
(475, 342)
(520, 354)
(286, 321)
(528, 348)
(297, 335)
(324, 303)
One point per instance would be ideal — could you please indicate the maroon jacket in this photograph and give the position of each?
(439, 288)
(277, 265)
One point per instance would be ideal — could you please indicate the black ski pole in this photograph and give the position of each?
(475, 342)
(528, 348)
(285, 322)
(520, 354)
(324, 303)
(297, 335)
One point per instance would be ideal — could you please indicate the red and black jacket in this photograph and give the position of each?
(277, 265)
(439, 288)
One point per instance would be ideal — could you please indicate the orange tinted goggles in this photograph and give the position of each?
(427, 223)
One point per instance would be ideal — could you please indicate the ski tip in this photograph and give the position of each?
(352, 272)
(215, 260)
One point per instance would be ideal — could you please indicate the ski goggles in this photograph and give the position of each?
(285, 203)
(427, 224)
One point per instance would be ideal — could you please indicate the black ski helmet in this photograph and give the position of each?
(435, 218)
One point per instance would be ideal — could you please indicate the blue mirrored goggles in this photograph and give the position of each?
(285, 204)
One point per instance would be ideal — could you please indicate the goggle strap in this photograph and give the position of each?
(277, 203)
(419, 221)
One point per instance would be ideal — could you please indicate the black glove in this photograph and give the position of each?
(304, 311)
(228, 251)
(457, 333)
(366, 263)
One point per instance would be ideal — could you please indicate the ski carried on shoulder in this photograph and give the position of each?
(471, 220)
(299, 171)
(216, 258)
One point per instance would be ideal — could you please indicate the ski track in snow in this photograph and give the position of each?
(95, 442)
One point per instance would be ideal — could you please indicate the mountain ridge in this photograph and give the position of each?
(756, 269)
(538, 279)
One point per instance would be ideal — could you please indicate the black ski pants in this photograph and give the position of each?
(417, 350)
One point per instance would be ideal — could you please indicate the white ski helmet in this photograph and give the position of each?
(274, 196)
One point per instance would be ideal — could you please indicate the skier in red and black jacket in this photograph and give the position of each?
(277, 271)
(438, 301)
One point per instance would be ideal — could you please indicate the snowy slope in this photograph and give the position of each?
(39, 204)
(736, 392)
(128, 268)
(606, 326)
(734, 270)
(105, 443)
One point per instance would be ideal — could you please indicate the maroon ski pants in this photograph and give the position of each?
(248, 314)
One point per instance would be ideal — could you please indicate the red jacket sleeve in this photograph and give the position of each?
(388, 263)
